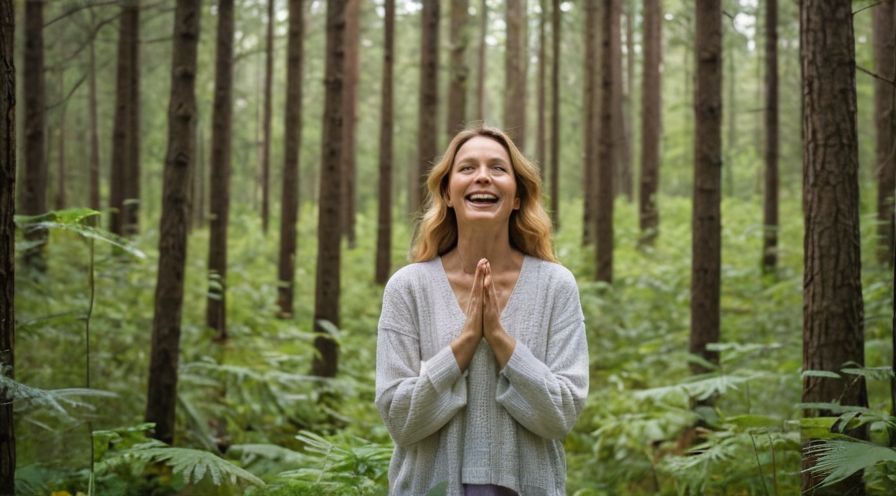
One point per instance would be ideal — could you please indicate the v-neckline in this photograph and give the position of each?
(510, 299)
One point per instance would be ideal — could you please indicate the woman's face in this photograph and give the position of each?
(481, 183)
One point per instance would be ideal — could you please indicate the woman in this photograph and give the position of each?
(482, 363)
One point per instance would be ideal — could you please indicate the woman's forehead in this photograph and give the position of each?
(481, 147)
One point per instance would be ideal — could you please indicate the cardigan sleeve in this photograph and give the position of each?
(415, 398)
(547, 397)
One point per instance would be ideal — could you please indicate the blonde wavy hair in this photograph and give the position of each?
(530, 226)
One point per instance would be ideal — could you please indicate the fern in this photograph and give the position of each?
(54, 400)
(192, 464)
(837, 459)
(71, 220)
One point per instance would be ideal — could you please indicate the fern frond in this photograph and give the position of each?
(72, 220)
(837, 459)
(700, 389)
(56, 400)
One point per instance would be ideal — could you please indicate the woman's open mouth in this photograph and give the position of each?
(481, 200)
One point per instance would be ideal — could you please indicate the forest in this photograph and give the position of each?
(202, 200)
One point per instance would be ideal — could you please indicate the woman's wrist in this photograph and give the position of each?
(502, 345)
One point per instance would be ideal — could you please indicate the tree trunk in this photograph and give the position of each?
(7, 243)
(457, 85)
(706, 217)
(289, 203)
(651, 120)
(885, 120)
(198, 191)
(590, 137)
(222, 110)
(266, 123)
(731, 113)
(429, 98)
(621, 155)
(326, 294)
(349, 111)
(34, 193)
(94, 134)
(606, 147)
(384, 225)
(540, 138)
(60, 200)
(131, 201)
(121, 168)
(770, 203)
(162, 392)
(480, 76)
(515, 73)
(833, 320)
(555, 114)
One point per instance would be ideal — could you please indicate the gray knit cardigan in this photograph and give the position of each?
(484, 426)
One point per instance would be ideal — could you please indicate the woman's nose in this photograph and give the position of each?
(482, 175)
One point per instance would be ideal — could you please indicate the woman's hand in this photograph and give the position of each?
(499, 340)
(464, 346)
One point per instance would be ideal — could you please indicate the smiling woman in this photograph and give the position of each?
(482, 364)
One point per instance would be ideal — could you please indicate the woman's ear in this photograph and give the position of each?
(516, 203)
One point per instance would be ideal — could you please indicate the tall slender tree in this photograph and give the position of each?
(121, 167)
(555, 113)
(885, 124)
(289, 203)
(60, 199)
(429, 98)
(589, 138)
(515, 72)
(349, 116)
(622, 181)
(540, 131)
(326, 293)
(161, 396)
(34, 192)
(131, 202)
(833, 311)
(93, 121)
(457, 82)
(7, 243)
(219, 201)
(651, 120)
(706, 223)
(606, 152)
(770, 201)
(384, 224)
(480, 73)
(266, 120)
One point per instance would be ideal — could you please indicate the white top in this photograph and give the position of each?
(483, 426)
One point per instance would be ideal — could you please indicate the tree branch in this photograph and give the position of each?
(876, 76)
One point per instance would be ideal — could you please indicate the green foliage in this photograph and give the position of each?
(837, 459)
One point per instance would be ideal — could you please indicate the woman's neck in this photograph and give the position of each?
(493, 244)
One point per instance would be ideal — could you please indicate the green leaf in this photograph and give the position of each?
(884, 373)
(440, 489)
(820, 373)
(837, 459)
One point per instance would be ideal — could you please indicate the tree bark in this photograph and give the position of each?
(833, 311)
(60, 200)
(606, 147)
(384, 224)
(349, 112)
(429, 98)
(179, 159)
(651, 120)
(266, 121)
(7, 243)
(222, 110)
(94, 187)
(289, 204)
(122, 166)
(885, 120)
(480, 76)
(555, 114)
(457, 85)
(515, 73)
(621, 155)
(770, 201)
(131, 203)
(706, 217)
(540, 138)
(590, 137)
(326, 293)
(34, 193)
